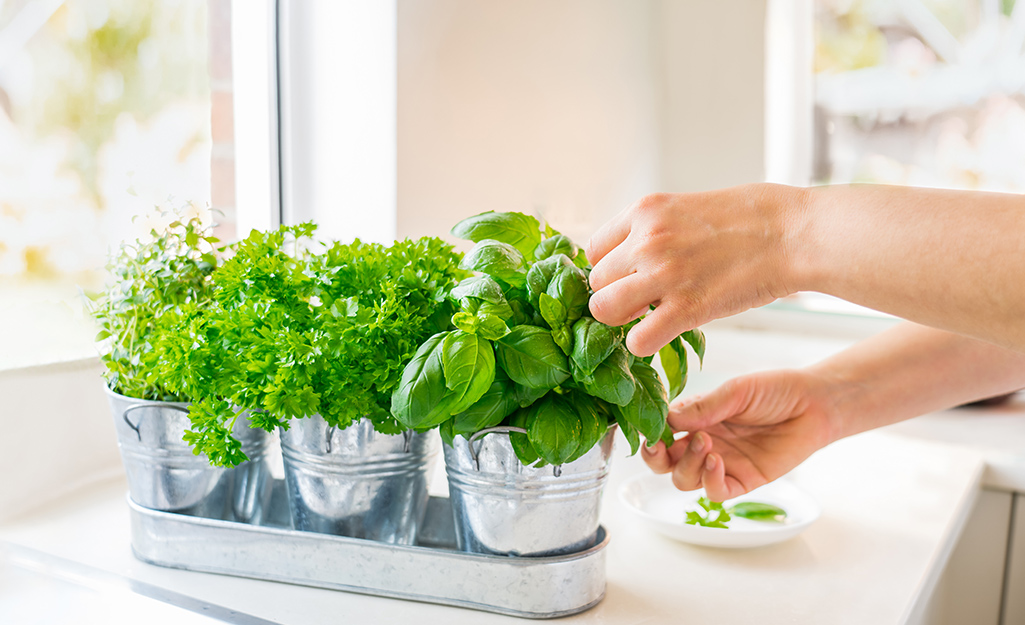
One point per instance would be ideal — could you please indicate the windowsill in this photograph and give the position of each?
(888, 526)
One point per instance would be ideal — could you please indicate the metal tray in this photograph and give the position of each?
(432, 571)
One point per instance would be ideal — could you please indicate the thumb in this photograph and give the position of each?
(702, 411)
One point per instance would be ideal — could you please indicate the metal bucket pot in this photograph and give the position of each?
(502, 507)
(164, 474)
(355, 481)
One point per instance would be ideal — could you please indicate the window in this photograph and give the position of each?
(921, 92)
(108, 108)
(925, 93)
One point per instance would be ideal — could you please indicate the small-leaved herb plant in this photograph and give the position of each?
(526, 352)
(149, 283)
(291, 333)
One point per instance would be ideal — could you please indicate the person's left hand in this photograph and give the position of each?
(749, 431)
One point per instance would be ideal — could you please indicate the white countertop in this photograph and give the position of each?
(892, 509)
(893, 505)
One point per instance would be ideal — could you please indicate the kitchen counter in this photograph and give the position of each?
(892, 511)
(893, 507)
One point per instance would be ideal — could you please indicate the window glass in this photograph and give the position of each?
(922, 92)
(927, 93)
(105, 113)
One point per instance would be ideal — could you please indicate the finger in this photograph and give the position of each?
(657, 458)
(619, 302)
(713, 478)
(703, 411)
(662, 325)
(717, 484)
(688, 469)
(607, 238)
(617, 264)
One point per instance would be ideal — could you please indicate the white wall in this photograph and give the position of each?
(572, 108)
(713, 123)
(58, 433)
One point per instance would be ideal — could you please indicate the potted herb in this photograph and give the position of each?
(527, 389)
(151, 284)
(313, 344)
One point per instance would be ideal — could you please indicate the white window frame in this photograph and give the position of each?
(316, 115)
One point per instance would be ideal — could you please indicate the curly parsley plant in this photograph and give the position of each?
(293, 333)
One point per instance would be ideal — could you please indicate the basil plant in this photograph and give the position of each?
(525, 352)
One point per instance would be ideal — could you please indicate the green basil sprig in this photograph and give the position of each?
(526, 352)
(715, 514)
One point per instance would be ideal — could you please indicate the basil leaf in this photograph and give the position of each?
(757, 511)
(563, 337)
(448, 435)
(468, 362)
(491, 409)
(499, 260)
(593, 425)
(714, 516)
(674, 362)
(667, 436)
(629, 431)
(516, 229)
(541, 275)
(593, 341)
(519, 314)
(482, 288)
(612, 380)
(649, 408)
(491, 327)
(422, 400)
(569, 286)
(467, 322)
(530, 357)
(521, 442)
(525, 396)
(552, 311)
(696, 339)
(482, 295)
(558, 244)
(555, 430)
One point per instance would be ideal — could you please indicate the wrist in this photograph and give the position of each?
(801, 263)
(841, 396)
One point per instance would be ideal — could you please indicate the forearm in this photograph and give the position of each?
(948, 259)
(912, 370)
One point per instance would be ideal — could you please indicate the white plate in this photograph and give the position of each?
(655, 500)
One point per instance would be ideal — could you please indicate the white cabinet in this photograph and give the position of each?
(984, 580)
(1014, 582)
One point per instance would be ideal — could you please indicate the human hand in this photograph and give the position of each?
(694, 256)
(748, 432)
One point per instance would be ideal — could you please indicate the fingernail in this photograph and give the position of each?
(710, 463)
(698, 442)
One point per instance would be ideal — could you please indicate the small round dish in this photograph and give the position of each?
(655, 500)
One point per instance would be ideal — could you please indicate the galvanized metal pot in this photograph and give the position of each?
(502, 507)
(356, 481)
(164, 474)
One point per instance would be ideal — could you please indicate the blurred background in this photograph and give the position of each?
(395, 119)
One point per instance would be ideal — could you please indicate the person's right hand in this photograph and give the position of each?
(695, 257)
(749, 431)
